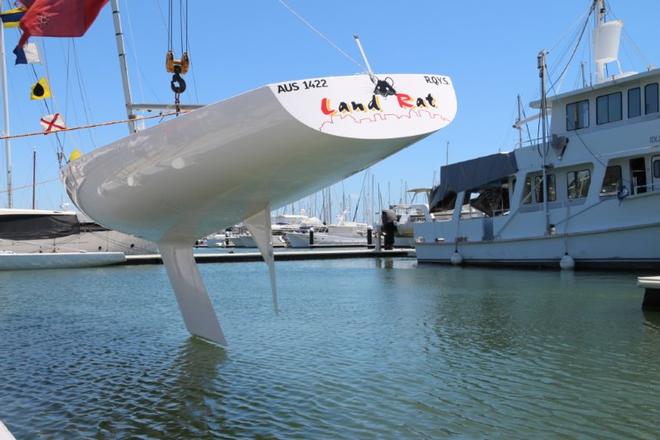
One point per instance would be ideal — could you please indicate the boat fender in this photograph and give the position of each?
(456, 258)
(622, 193)
(567, 262)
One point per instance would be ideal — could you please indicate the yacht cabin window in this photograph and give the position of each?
(634, 102)
(527, 191)
(656, 168)
(651, 98)
(538, 188)
(577, 183)
(577, 115)
(638, 175)
(612, 181)
(608, 108)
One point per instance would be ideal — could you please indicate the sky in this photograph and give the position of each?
(489, 50)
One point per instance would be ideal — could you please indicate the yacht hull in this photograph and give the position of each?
(99, 241)
(323, 239)
(629, 247)
(59, 260)
(217, 165)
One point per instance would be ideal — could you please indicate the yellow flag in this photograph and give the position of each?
(75, 155)
(40, 89)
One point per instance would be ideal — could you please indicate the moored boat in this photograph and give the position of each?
(344, 233)
(50, 231)
(58, 260)
(587, 194)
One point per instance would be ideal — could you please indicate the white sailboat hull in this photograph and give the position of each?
(302, 240)
(247, 241)
(220, 164)
(59, 260)
(98, 241)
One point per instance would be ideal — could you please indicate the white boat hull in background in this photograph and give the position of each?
(59, 260)
(302, 240)
(221, 164)
(97, 241)
(616, 247)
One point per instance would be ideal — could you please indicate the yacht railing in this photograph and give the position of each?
(530, 143)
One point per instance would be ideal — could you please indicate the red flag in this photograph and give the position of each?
(59, 18)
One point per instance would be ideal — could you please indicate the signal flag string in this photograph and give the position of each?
(100, 124)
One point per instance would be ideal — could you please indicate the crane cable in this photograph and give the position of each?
(177, 67)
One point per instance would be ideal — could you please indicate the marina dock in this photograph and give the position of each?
(237, 257)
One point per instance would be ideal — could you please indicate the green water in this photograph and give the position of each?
(361, 349)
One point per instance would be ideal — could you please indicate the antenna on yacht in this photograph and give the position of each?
(383, 87)
(544, 140)
(519, 126)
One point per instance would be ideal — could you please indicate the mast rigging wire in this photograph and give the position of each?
(577, 45)
(59, 149)
(99, 124)
(320, 34)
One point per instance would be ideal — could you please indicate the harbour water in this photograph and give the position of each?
(361, 349)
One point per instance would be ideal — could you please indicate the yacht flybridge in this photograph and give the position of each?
(238, 159)
(587, 194)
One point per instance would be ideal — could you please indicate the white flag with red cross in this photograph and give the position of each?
(52, 123)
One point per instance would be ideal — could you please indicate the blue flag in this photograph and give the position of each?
(20, 55)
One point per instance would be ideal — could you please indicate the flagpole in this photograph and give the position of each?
(123, 67)
(5, 108)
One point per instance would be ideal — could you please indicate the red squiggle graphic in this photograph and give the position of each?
(381, 117)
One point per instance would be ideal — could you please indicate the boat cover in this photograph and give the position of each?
(38, 226)
(470, 174)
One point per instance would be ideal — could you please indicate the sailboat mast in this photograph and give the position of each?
(5, 108)
(123, 67)
(34, 178)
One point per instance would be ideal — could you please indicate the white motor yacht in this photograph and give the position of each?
(586, 194)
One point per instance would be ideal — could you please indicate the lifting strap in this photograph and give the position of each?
(178, 67)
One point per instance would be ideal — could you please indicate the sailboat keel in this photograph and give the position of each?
(260, 227)
(191, 294)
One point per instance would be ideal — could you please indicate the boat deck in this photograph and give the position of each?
(237, 257)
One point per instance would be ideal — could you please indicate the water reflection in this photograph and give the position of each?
(384, 263)
(652, 319)
(188, 394)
